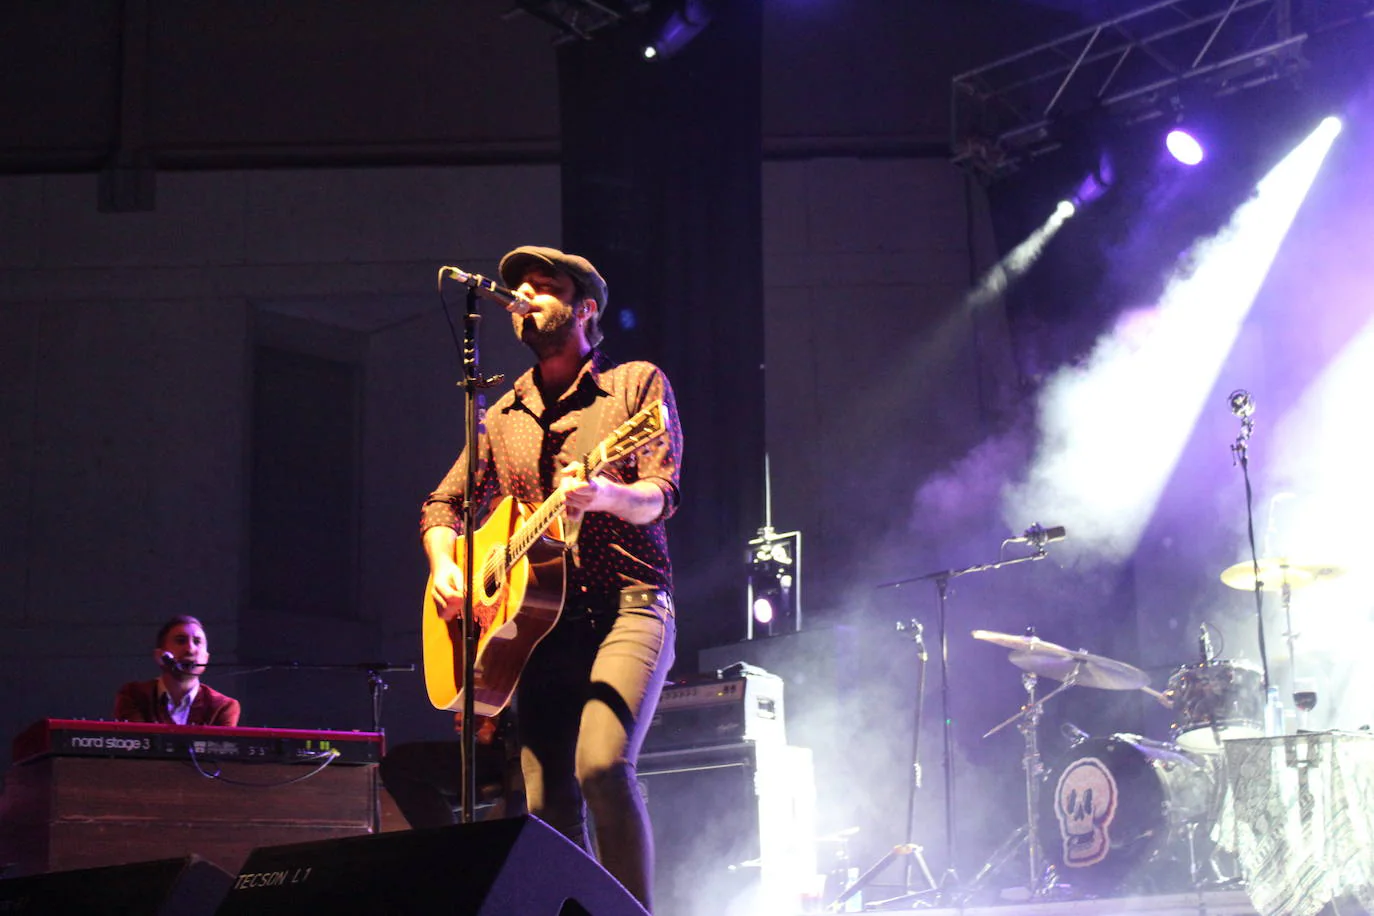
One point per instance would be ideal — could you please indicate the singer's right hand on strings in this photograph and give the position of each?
(446, 576)
(448, 591)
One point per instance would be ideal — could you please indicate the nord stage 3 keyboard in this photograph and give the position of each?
(94, 738)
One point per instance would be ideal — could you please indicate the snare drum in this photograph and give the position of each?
(1214, 701)
(1111, 805)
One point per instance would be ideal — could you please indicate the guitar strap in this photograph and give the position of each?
(589, 434)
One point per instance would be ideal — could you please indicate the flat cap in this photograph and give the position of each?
(515, 263)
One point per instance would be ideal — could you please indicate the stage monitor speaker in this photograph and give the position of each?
(734, 828)
(516, 866)
(191, 886)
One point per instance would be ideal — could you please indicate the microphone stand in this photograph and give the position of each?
(950, 879)
(473, 382)
(376, 686)
(1242, 406)
(909, 851)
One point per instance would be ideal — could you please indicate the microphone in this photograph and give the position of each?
(490, 289)
(1242, 405)
(1075, 734)
(917, 631)
(170, 662)
(1038, 536)
(1204, 643)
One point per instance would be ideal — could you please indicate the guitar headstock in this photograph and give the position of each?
(636, 432)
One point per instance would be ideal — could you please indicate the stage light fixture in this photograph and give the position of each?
(774, 600)
(676, 26)
(1184, 147)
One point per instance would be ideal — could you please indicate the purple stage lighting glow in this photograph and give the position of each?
(1183, 146)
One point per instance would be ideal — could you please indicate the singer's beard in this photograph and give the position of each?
(550, 339)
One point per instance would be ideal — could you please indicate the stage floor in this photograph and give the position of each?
(1207, 903)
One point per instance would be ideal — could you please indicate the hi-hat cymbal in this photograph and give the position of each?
(1047, 659)
(1275, 571)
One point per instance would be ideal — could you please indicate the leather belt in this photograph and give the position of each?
(586, 605)
(645, 597)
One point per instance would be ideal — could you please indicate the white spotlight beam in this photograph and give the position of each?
(1112, 429)
(1016, 262)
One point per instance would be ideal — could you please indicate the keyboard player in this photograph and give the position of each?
(177, 696)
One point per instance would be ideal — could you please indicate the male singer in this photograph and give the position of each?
(589, 690)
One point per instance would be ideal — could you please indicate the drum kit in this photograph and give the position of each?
(1118, 812)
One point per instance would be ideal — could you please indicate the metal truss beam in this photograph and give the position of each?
(578, 19)
(1141, 65)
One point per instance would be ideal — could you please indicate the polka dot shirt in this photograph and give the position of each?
(523, 442)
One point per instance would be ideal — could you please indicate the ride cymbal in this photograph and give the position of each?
(1275, 571)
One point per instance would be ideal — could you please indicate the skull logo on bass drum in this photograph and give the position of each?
(1085, 803)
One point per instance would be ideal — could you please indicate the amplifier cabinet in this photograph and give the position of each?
(734, 828)
(710, 710)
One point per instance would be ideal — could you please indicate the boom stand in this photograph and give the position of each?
(376, 687)
(949, 881)
(1243, 406)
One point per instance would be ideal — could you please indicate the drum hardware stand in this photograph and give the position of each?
(1027, 721)
(1286, 599)
(1037, 537)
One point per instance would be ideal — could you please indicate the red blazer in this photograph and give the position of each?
(137, 702)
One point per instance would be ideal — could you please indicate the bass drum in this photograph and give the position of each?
(1109, 808)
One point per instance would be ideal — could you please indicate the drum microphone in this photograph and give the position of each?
(1075, 734)
(1038, 536)
(1204, 644)
(490, 289)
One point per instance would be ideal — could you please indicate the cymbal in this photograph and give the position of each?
(1019, 643)
(1092, 670)
(1051, 660)
(1274, 571)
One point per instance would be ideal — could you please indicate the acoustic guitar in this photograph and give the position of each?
(518, 588)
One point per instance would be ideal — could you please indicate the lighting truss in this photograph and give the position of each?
(577, 20)
(1138, 66)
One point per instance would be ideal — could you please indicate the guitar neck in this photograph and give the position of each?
(540, 519)
(533, 528)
